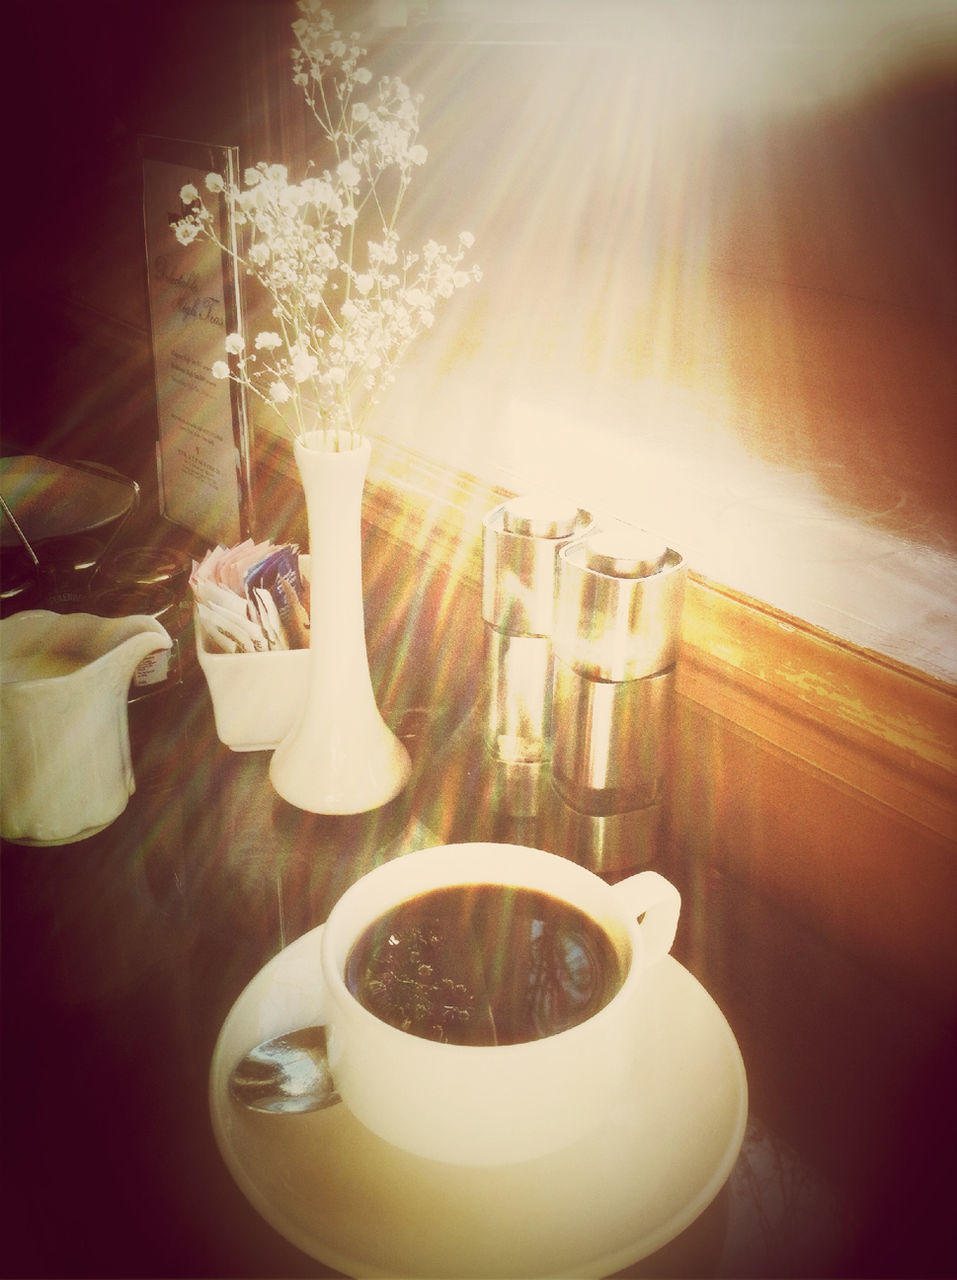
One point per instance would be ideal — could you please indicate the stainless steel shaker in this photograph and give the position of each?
(620, 594)
(521, 541)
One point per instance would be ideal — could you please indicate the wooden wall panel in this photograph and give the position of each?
(851, 865)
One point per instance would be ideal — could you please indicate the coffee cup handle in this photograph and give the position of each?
(656, 899)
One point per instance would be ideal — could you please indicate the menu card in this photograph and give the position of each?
(194, 302)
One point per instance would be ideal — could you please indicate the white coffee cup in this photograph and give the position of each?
(494, 1104)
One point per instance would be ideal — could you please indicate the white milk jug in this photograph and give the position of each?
(64, 733)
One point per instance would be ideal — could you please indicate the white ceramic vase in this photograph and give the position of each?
(341, 757)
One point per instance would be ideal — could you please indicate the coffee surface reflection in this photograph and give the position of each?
(484, 964)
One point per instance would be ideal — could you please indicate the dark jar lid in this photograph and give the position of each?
(19, 583)
(78, 554)
(148, 567)
(122, 602)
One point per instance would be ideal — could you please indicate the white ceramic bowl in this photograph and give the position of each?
(256, 696)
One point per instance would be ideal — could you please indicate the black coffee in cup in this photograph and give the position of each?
(484, 964)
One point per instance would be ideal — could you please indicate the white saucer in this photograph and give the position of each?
(361, 1206)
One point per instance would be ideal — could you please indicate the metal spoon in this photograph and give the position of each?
(289, 1073)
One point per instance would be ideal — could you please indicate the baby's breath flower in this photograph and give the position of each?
(304, 366)
(349, 173)
(186, 231)
(345, 309)
(319, 191)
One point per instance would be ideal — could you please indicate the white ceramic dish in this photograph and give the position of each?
(355, 1203)
(256, 696)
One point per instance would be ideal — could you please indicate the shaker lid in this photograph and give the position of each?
(618, 606)
(625, 553)
(540, 515)
(521, 539)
